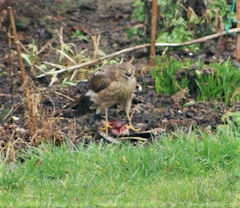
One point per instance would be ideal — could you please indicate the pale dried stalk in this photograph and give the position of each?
(95, 41)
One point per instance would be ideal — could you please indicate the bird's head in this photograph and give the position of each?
(129, 71)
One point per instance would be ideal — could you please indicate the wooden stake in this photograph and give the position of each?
(238, 26)
(153, 32)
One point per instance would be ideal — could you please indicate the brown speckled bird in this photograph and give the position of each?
(113, 84)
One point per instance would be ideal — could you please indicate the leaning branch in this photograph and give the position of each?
(112, 55)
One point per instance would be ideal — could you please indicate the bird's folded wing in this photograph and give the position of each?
(99, 82)
(113, 90)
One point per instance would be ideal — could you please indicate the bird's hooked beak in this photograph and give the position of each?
(128, 74)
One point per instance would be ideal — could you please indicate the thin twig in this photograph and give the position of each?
(17, 43)
(108, 138)
(54, 65)
(32, 117)
(92, 62)
(23, 47)
(134, 137)
(11, 62)
(60, 36)
(5, 95)
(95, 41)
(59, 93)
(13, 109)
(67, 56)
(46, 45)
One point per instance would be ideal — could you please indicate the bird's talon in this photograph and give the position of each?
(131, 127)
(106, 127)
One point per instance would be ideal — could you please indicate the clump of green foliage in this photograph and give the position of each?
(174, 27)
(182, 24)
(138, 13)
(179, 23)
(221, 83)
(79, 35)
(165, 72)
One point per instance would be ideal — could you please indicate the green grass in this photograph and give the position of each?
(191, 169)
(222, 83)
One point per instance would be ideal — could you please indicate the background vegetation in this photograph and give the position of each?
(182, 20)
(216, 81)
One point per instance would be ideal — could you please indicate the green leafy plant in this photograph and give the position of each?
(223, 84)
(134, 32)
(164, 73)
(138, 11)
(174, 26)
(31, 56)
(179, 23)
(139, 15)
(79, 35)
(68, 82)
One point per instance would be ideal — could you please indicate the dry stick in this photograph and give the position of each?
(60, 36)
(153, 32)
(16, 41)
(108, 138)
(5, 95)
(92, 62)
(65, 96)
(11, 62)
(95, 41)
(134, 137)
(23, 47)
(55, 65)
(14, 108)
(66, 56)
(46, 45)
(238, 26)
(32, 120)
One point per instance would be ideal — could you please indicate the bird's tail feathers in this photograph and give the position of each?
(92, 95)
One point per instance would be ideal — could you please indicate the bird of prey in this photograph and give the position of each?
(110, 85)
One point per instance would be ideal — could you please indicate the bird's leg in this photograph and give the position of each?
(107, 125)
(106, 121)
(130, 126)
(127, 109)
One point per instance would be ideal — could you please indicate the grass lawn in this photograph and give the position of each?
(192, 169)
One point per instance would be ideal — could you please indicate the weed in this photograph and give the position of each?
(178, 23)
(219, 81)
(31, 54)
(79, 35)
(221, 84)
(134, 32)
(138, 11)
(164, 73)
